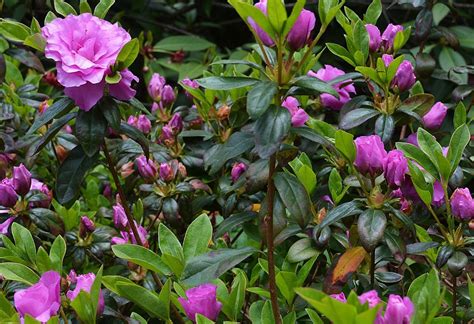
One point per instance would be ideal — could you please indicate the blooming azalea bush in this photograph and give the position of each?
(295, 180)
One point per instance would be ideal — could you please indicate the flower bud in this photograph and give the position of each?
(223, 112)
(43, 106)
(119, 217)
(166, 173)
(6, 225)
(84, 283)
(298, 116)
(301, 30)
(155, 87)
(167, 96)
(87, 226)
(434, 118)
(176, 123)
(144, 124)
(340, 297)
(21, 180)
(146, 167)
(387, 59)
(389, 34)
(399, 310)
(182, 170)
(371, 297)
(261, 34)
(370, 154)
(190, 83)
(39, 186)
(395, 167)
(374, 37)
(237, 170)
(126, 169)
(462, 204)
(107, 191)
(132, 121)
(201, 300)
(404, 77)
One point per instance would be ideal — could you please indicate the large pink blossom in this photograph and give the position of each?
(84, 48)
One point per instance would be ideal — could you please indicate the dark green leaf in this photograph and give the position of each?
(270, 130)
(135, 135)
(128, 53)
(57, 109)
(90, 130)
(103, 7)
(52, 131)
(357, 117)
(384, 127)
(344, 210)
(26, 57)
(371, 226)
(316, 85)
(457, 144)
(260, 97)
(141, 256)
(111, 112)
(226, 83)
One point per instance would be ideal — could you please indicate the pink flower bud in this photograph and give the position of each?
(21, 179)
(387, 59)
(237, 170)
(176, 123)
(434, 118)
(87, 224)
(119, 217)
(340, 297)
(399, 310)
(395, 167)
(155, 86)
(144, 124)
(389, 34)
(374, 37)
(201, 300)
(261, 34)
(370, 297)
(370, 154)
(166, 173)
(298, 116)
(146, 167)
(84, 283)
(167, 96)
(462, 204)
(301, 30)
(8, 196)
(404, 77)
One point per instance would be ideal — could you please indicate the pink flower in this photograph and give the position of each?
(434, 118)
(412, 139)
(387, 59)
(404, 77)
(389, 34)
(340, 297)
(298, 116)
(374, 37)
(301, 30)
(166, 172)
(344, 89)
(201, 300)
(6, 225)
(84, 283)
(370, 297)
(42, 300)
(167, 95)
(462, 204)
(370, 154)
(84, 47)
(395, 167)
(399, 311)
(261, 34)
(8, 196)
(237, 170)
(141, 122)
(146, 167)
(155, 86)
(129, 237)
(41, 187)
(119, 217)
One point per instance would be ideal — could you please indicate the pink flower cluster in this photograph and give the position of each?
(126, 234)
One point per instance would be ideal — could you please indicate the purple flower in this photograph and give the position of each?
(166, 133)
(438, 194)
(387, 59)
(389, 34)
(168, 96)
(6, 225)
(370, 297)
(128, 237)
(41, 187)
(301, 30)
(344, 89)
(88, 224)
(434, 118)
(374, 37)
(176, 123)
(155, 86)
(84, 47)
(395, 166)
(261, 34)
(191, 84)
(298, 116)
(462, 204)
(340, 297)
(166, 173)
(144, 124)
(237, 170)
(399, 310)
(84, 283)
(370, 154)
(21, 180)
(8, 196)
(119, 217)
(42, 300)
(201, 300)
(412, 139)
(146, 167)
(404, 77)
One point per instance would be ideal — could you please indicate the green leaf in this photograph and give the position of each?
(18, 272)
(414, 153)
(373, 12)
(113, 78)
(84, 7)
(286, 282)
(459, 115)
(294, 197)
(424, 189)
(226, 83)
(103, 7)
(145, 299)
(201, 319)
(260, 97)
(52, 131)
(301, 250)
(424, 292)
(371, 226)
(384, 127)
(90, 130)
(13, 30)
(128, 53)
(341, 52)
(357, 117)
(302, 168)
(449, 59)
(344, 210)
(135, 135)
(169, 243)
(457, 144)
(6, 307)
(56, 110)
(71, 173)
(197, 237)
(111, 112)
(276, 15)
(295, 13)
(57, 253)
(246, 11)
(316, 85)
(142, 256)
(183, 43)
(43, 263)
(270, 130)
(63, 8)
(234, 221)
(470, 286)
(24, 241)
(35, 41)
(345, 144)
(212, 265)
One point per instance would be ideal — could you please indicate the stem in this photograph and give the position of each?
(63, 315)
(448, 208)
(441, 226)
(310, 48)
(269, 233)
(372, 269)
(280, 61)
(131, 223)
(454, 296)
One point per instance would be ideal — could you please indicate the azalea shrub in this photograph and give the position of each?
(299, 178)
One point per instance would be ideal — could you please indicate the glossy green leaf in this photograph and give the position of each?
(371, 226)
(59, 108)
(18, 272)
(90, 130)
(103, 7)
(197, 237)
(270, 130)
(226, 83)
(144, 257)
(260, 97)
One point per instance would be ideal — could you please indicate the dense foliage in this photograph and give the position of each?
(317, 172)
